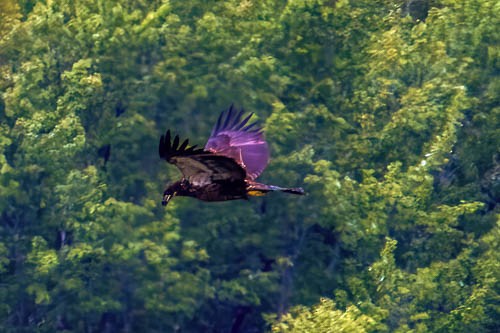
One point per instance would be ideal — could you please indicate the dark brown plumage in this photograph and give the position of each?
(226, 169)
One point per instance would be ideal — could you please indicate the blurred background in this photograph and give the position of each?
(386, 112)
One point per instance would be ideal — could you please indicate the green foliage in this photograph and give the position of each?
(385, 111)
(9, 16)
(324, 317)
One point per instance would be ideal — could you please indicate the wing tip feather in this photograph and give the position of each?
(229, 120)
(168, 149)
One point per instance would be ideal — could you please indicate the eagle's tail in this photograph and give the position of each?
(258, 189)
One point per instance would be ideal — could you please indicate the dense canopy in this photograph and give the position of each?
(387, 112)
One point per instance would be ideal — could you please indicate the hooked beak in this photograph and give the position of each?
(166, 199)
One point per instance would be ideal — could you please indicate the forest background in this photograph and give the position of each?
(386, 112)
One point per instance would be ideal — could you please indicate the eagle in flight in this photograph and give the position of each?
(234, 156)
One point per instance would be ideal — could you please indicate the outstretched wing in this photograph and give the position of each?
(232, 137)
(199, 167)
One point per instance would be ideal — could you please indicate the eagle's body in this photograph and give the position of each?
(235, 154)
(216, 191)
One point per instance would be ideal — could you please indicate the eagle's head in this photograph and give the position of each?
(172, 190)
(167, 195)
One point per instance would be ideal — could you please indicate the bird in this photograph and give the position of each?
(235, 154)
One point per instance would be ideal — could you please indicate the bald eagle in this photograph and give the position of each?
(226, 168)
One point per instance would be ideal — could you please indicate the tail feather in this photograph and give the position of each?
(255, 189)
(294, 190)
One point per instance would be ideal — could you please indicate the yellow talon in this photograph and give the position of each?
(255, 193)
